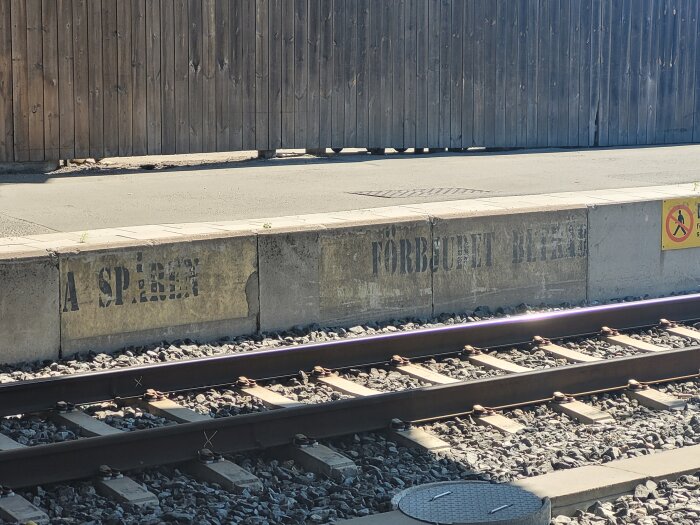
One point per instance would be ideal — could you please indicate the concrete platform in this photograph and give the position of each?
(105, 289)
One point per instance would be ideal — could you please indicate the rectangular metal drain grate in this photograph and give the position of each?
(417, 192)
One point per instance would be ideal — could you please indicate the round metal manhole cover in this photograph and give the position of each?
(473, 503)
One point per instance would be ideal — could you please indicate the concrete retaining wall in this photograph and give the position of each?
(108, 289)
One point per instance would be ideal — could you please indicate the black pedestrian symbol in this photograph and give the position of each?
(681, 224)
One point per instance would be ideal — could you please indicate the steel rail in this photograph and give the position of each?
(41, 394)
(178, 443)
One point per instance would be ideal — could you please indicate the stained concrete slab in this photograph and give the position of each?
(29, 316)
(123, 295)
(507, 258)
(626, 257)
(346, 272)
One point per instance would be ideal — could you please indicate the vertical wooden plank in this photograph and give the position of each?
(664, 111)
(338, 71)
(512, 77)
(604, 114)
(574, 72)
(362, 72)
(521, 30)
(195, 75)
(554, 115)
(490, 65)
(399, 77)
(124, 75)
(695, 72)
(386, 73)
(80, 78)
(596, 70)
(672, 101)
(562, 72)
(478, 68)
(623, 52)
(51, 109)
(20, 99)
(646, 39)
(288, 75)
(326, 75)
(533, 41)
(422, 71)
(655, 60)
(169, 109)
(313, 107)
(262, 74)
(433, 73)
(138, 78)
(374, 74)
(635, 51)
(109, 78)
(275, 72)
(6, 100)
(300, 72)
(687, 70)
(182, 77)
(456, 74)
(410, 65)
(468, 75)
(209, 130)
(97, 88)
(585, 59)
(500, 65)
(66, 97)
(242, 91)
(543, 55)
(350, 66)
(222, 71)
(445, 59)
(35, 79)
(154, 79)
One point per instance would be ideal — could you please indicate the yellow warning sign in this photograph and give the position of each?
(680, 225)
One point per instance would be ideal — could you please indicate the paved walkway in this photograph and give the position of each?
(124, 194)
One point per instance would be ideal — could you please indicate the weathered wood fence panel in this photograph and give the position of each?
(100, 78)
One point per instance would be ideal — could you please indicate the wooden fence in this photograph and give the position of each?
(96, 78)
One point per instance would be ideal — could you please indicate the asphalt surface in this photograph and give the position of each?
(194, 188)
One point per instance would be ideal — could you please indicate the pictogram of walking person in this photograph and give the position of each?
(681, 224)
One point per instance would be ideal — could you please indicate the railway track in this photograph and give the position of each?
(362, 409)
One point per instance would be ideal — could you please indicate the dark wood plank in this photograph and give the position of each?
(624, 73)
(543, 65)
(362, 72)
(434, 73)
(109, 78)
(242, 92)
(512, 70)
(596, 69)
(124, 76)
(35, 79)
(182, 77)
(522, 81)
(262, 74)
(49, 16)
(288, 74)
(586, 61)
(313, 120)
(635, 53)
(554, 115)
(655, 59)
(222, 72)
(275, 72)
(337, 74)
(66, 99)
(672, 101)
(605, 113)
(326, 74)
(6, 100)
(386, 74)
(574, 68)
(444, 125)
(97, 88)
(666, 37)
(490, 37)
(422, 68)
(350, 74)
(687, 74)
(209, 130)
(410, 65)
(300, 72)
(399, 74)
(562, 47)
(533, 41)
(646, 39)
(170, 112)
(195, 75)
(154, 78)
(500, 64)
(139, 75)
(468, 75)
(456, 73)
(81, 79)
(20, 97)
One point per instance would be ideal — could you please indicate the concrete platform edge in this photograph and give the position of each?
(138, 285)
